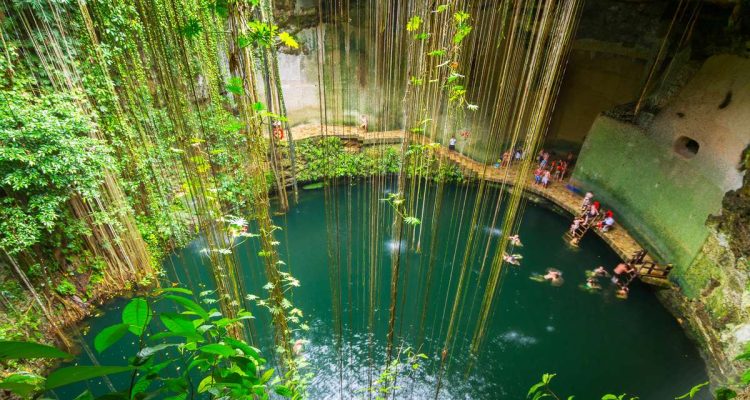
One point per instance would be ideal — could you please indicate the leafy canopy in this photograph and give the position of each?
(46, 158)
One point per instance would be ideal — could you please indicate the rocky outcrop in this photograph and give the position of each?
(719, 316)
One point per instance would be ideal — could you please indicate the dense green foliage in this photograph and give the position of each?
(208, 360)
(185, 142)
(329, 158)
(46, 158)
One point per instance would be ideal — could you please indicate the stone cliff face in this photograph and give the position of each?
(688, 205)
(718, 317)
(735, 218)
(722, 309)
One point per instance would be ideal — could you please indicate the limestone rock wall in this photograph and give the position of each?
(688, 204)
(677, 186)
(717, 316)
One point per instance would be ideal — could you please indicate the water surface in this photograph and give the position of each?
(595, 342)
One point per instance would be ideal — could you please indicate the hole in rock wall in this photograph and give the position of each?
(686, 147)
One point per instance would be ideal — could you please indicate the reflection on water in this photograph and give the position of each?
(595, 343)
(394, 246)
(493, 231)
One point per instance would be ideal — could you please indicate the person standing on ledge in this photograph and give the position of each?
(363, 123)
(586, 201)
(545, 178)
(452, 143)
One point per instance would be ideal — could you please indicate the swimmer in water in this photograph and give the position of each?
(515, 241)
(593, 283)
(622, 293)
(601, 271)
(554, 276)
(298, 347)
(512, 259)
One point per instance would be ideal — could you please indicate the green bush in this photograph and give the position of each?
(66, 288)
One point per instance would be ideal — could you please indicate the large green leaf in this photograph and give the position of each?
(141, 385)
(219, 349)
(68, 375)
(10, 350)
(175, 290)
(284, 391)
(205, 384)
(189, 305)
(693, 391)
(247, 349)
(137, 314)
(178, 323)
(266, 376)
(109, 336)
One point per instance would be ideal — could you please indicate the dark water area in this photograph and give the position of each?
(594, 342)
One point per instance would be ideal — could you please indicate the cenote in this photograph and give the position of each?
(594, 342)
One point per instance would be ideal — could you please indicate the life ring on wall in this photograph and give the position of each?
(278, 132)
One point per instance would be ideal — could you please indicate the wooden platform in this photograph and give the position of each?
(618, 238)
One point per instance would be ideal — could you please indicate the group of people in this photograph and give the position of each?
(553, 275)
(549, 170)
(591, 213)
(509, 157)
(513, 259)
(622, 276)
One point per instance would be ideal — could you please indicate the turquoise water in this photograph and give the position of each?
(595, 342)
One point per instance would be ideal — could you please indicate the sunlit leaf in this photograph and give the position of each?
(288, 40)
(218, 349)
(174, 290)
(137, 315)
(109, 336)
(10, 350)
(414, 23)
(205, 384)
(68, 375)
(189, 305)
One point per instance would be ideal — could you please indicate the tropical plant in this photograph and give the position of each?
(208, 361)
(405, 363)
(543, 390)
(46, 158)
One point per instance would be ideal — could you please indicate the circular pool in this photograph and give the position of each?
(594, 342)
